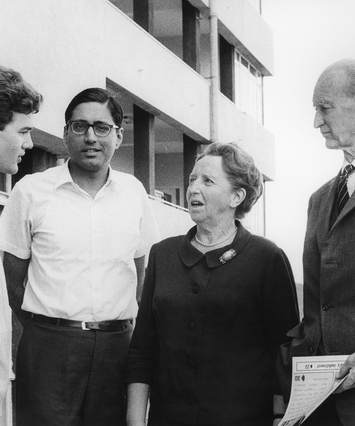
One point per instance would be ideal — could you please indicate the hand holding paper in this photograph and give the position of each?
(313, 380)
(347, 369)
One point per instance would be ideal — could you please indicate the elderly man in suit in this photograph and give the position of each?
(329, 250)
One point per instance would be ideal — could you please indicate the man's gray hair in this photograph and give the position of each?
(347, 68)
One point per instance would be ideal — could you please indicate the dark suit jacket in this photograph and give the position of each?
(207, 332)
(329, 284)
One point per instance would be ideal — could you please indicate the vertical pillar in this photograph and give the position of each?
(190, 151)
(226, 68)
(214, 87)
(264, 207)
(191, 35)
(144, 149)
(262, 100)
(143, 14)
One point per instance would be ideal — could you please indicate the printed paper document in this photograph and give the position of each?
(313, 380)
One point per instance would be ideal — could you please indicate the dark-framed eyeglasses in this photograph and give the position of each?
(80, 127)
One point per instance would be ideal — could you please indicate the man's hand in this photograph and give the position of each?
(347, 369)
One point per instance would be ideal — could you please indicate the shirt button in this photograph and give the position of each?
(326, 307)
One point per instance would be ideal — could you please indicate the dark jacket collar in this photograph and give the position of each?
(190, 255)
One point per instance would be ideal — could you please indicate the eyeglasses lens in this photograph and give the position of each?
(101, 129)
(81, 127)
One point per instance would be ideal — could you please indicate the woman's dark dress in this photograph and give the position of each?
(207, 332)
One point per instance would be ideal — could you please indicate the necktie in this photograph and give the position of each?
(343, 194)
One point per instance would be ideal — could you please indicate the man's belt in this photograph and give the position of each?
(112, 325)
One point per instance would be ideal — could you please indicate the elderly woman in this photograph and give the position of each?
(216, 305)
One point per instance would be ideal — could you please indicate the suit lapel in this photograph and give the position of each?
(349, 206)
(330, 207)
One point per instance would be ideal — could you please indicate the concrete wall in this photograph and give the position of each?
(171, 220)
(62, 47)
(241, 128)
(248, 27)
(65, 46)
(254, 221)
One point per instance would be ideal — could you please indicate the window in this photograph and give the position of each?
(226, 68)
(248, 88)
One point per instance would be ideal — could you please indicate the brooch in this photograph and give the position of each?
(227, 256)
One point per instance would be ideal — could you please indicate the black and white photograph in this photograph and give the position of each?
(177, 207)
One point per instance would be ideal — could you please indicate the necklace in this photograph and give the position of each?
(232, 234)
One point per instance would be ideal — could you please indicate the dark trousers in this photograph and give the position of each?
(257, 422)
(260, 423)
(70, 377)
(325, 415)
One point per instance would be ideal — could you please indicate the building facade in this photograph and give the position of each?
(187, 72)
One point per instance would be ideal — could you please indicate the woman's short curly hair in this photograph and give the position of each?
(241, 172)
(16, 95)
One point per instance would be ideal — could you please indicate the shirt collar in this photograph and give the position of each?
(190, 255)
(65, 176)
(345, 163)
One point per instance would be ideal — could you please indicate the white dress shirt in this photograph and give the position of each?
(5, 353)
(351, 179)
(81, 249)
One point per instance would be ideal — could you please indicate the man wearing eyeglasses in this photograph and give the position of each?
(79, 232)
